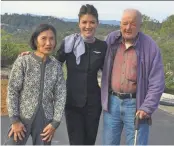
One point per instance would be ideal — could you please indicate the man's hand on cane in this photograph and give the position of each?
(142, 114)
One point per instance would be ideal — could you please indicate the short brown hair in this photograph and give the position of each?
(88, 9)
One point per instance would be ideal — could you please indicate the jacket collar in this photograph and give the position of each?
(39, 59)
(117, 36)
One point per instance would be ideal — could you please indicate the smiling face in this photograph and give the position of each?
(88, 24)
(46, 42)
(130, 25)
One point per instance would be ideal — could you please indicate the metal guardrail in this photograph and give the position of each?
(167, 99)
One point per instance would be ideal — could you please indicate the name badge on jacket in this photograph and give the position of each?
(97, 52)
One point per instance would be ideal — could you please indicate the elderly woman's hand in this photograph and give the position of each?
(18, 130)
(48, 133)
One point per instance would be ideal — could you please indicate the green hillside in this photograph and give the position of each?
(16, 30)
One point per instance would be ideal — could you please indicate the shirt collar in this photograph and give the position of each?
(121, 40)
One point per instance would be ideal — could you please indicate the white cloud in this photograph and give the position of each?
(107, 9)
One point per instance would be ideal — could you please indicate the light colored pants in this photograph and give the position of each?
(122, 114)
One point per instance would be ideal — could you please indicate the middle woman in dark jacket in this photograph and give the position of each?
(84, 55)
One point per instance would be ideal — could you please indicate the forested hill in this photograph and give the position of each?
(20, 24)
(16, 30)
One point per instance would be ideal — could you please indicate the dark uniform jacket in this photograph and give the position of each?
(82, 84)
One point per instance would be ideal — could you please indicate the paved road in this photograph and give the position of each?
(161, 132)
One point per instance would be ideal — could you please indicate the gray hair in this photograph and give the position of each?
(138, 14)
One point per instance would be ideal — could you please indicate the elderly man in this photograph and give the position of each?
(132, 81)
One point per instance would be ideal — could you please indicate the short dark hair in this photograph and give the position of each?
(39, 29)
(88, 9)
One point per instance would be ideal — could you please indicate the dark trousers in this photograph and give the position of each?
(82, 124)
(34, 128)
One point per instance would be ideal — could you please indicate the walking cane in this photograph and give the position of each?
(136, 129)
(137, 120)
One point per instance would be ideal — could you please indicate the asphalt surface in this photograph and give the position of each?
(161, 131)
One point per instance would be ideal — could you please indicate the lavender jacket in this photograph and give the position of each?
(150, 72)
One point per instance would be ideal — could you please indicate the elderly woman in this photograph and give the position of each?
(36, 91)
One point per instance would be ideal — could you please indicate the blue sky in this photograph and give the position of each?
(108, 10)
